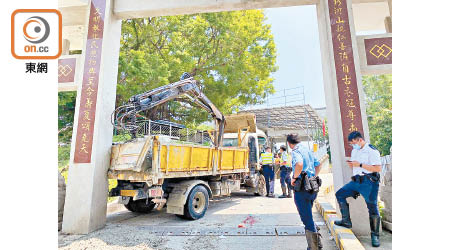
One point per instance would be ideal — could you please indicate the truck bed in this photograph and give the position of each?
(153, 158)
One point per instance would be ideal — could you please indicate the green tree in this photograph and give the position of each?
(231, 53)
(378, 90)
(66, 111)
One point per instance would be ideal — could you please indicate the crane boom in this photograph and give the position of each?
(125, 115)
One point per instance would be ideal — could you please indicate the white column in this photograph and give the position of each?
(341, 172)
(65, 47)
(87, 187)
(390, 7)
(388, 19)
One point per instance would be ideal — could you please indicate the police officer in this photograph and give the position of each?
(303, 160)
(285, 173)
(365, 162)
(266, 160)
(276, 168)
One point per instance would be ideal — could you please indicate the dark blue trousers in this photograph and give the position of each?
(269, 175)
(368, 189)
(285, 176)
(304, 202)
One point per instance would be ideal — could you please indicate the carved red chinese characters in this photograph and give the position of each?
(345, 70)
(89, 88)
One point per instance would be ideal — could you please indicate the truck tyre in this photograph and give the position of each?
(196, 203)
(140, 206)
(261, 186)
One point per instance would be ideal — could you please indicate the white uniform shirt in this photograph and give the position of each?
(367, 156)
(285, 158)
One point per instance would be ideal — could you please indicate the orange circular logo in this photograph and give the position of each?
(36, 29)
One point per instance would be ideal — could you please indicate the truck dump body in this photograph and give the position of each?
(182, 158)
(153, 158)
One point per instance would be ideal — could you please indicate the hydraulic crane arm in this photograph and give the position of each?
(125, 116)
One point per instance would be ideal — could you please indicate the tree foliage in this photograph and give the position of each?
(66, 111)
(378, 90)
(231, 53)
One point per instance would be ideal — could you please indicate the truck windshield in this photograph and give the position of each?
(230, 142)
(261, 141)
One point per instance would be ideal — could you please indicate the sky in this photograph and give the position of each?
(296, 38)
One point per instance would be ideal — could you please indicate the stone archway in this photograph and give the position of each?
(85, 208)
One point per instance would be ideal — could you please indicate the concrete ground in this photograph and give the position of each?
(126, 230)
(385, 241)
(385, 235)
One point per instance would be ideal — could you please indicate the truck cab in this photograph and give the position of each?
(247, 135)
(255, 141)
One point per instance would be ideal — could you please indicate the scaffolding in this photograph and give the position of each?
(286, 109)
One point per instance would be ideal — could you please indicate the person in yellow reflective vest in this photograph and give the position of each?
(266, 160)
(285, 173)
(277, 159)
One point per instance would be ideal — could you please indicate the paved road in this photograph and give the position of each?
(126, 230)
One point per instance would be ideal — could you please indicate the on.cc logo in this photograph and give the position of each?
(36, 34)
(36, 29)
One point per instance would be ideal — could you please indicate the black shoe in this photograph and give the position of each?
(375, 222)
(289, 193)
(284, 193)
(345, 213)
(319, 243)
(313, 239)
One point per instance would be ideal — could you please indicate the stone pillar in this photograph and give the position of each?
(65, 47)
(61, 198)
(336, 80)
(388, 19)
(386, 192)
(390, 7)
(87, 186)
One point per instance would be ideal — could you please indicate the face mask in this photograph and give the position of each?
(356, 146)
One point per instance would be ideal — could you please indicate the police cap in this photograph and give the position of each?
(354, 135)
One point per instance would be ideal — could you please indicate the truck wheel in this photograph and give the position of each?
(140, 206)
(261, 188)
(197, 203)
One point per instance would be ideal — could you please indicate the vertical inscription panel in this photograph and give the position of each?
(89, 87)
(349, 102)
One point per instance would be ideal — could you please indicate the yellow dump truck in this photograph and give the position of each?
(169, 166)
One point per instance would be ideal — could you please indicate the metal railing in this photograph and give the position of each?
(175, 131)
